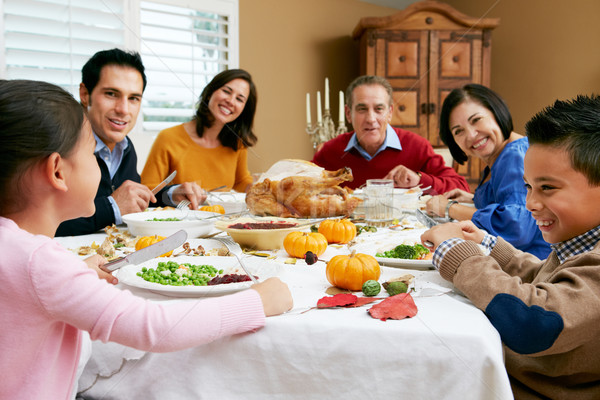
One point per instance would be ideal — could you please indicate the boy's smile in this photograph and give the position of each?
(559, 198)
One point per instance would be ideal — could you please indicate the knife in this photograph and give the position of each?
(425, 219)
(148, 253)
(164, 183)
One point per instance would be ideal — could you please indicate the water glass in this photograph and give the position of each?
(379, 201)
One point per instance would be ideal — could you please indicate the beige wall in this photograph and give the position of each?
(542, 50)
(290, 47)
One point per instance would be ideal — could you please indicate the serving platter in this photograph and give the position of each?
(256, 266)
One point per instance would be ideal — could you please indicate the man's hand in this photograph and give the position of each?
(190, 191)
(96, 262)
(132, 197)
(403, 177)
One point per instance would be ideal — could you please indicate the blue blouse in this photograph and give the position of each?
(500, 202)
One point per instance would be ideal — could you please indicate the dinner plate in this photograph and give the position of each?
(404, 263)
(258, 267)
(141, 224)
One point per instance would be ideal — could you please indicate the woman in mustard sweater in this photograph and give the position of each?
(211, 149)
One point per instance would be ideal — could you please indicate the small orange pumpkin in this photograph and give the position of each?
(351, 271)
(146, 241)
(217, 208)
(298, 243)
(338, 230)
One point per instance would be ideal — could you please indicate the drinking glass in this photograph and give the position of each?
(379, 201)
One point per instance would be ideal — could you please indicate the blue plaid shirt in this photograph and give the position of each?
(488, 241)
(577, 245)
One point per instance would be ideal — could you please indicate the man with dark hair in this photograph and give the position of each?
(113, 82)
(376, 150)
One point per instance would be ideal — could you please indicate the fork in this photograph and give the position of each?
(226, 241)
(183, 204)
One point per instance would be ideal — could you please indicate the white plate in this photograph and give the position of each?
(257, 266)
(404, 263)
(191, 222)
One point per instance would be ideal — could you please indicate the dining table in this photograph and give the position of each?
(448, 350)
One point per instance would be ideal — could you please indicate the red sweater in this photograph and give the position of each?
(417, 154)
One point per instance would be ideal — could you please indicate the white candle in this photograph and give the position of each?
(319, 116)
(308, 109)
(326, 94)
(341, 108)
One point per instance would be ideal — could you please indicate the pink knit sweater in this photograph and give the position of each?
(48, 295)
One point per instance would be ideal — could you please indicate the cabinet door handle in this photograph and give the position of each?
(431, 108)
(428, 108)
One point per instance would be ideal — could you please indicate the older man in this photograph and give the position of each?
(376, 150)
(113, 82)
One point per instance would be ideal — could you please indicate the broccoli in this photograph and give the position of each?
(401, 251)
(406, 252)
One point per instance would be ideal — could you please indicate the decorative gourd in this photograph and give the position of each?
(298, 243)
(146, 241)
(351, 271)
(338, 230)
(217, 208)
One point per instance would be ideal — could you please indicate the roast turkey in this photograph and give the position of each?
(296, 188)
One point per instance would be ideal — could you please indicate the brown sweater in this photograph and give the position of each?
(547, 314)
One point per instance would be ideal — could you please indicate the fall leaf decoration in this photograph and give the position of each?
(338, 300)
(399, 306)
(345, 300)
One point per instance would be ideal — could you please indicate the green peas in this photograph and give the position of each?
(175, 274)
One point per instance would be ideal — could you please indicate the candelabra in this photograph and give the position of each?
(324, 130)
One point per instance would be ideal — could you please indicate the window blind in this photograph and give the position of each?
(50, 40)
(183, 45)
(183, 48)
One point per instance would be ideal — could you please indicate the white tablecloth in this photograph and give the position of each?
(449, 350)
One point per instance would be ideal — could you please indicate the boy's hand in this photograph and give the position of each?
(96, 262)
(471, 232)
(440, 233)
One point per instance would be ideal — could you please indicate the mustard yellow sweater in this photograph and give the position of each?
(174, 150)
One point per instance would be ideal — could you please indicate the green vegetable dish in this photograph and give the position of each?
(406, 251)
(165, 219)
(175, 274)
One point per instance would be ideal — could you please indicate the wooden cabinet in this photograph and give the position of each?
(425, 51)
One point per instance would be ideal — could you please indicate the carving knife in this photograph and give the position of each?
(164, 183)
(148, 253)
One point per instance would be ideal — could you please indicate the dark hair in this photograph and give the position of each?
(90, 73)
(368, 80)
(573, 125)
(479, 94)
(37, 119)
(235, 131)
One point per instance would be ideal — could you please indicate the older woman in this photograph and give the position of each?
(211, 149)
(476, 122)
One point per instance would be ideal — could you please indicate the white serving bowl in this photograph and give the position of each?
(191, 222)
(232, 202)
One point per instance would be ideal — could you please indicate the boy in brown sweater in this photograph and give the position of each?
(547, 312)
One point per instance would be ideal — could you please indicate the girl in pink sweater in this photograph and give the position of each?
(48, 295)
